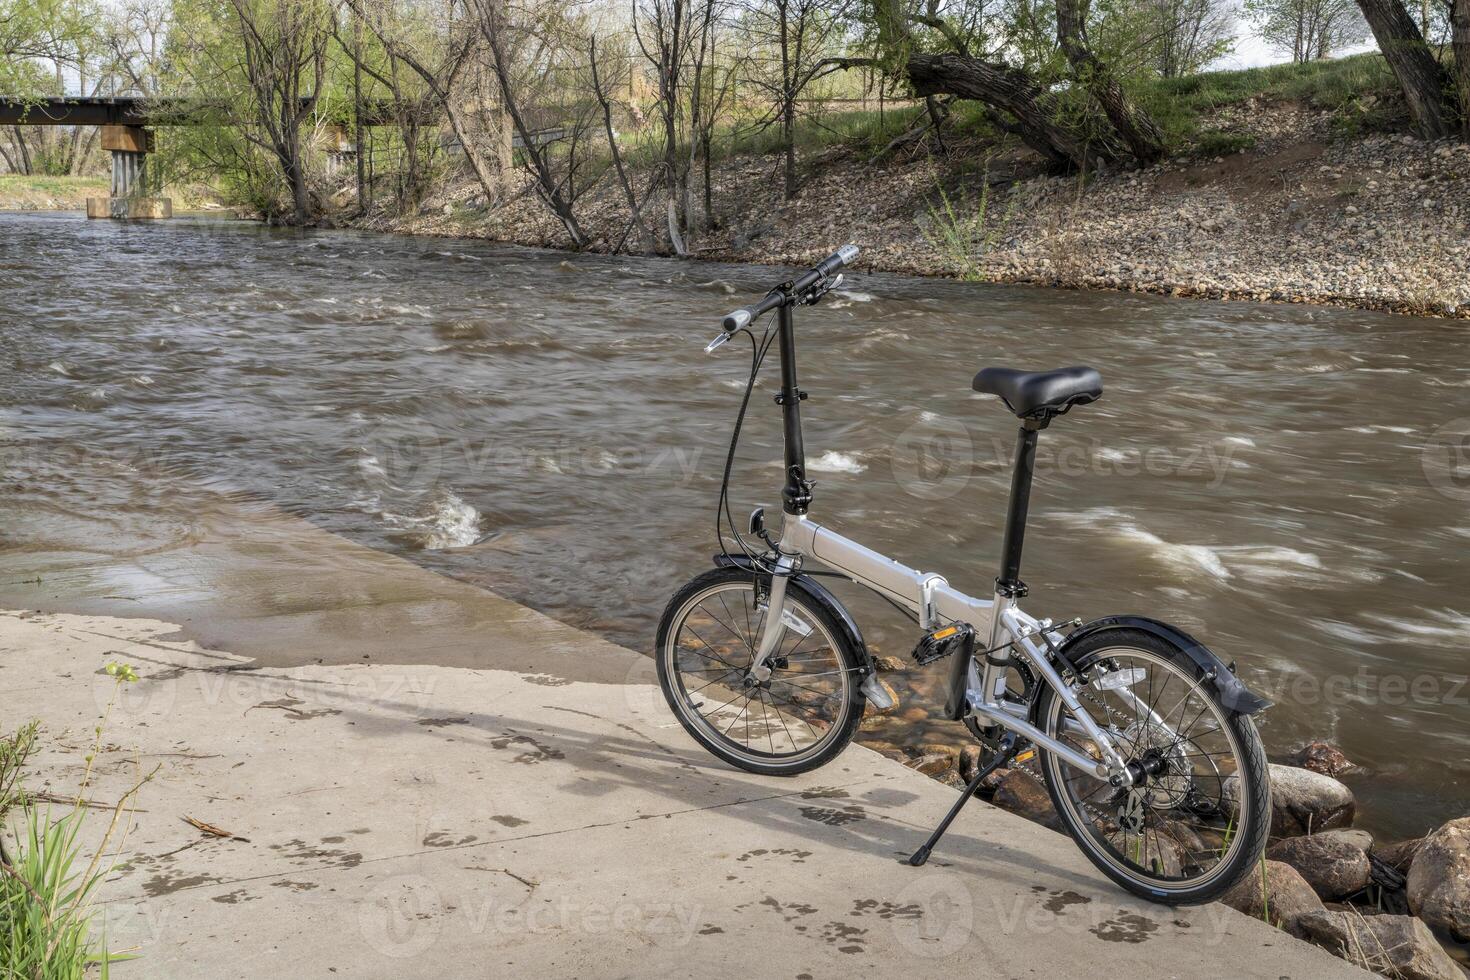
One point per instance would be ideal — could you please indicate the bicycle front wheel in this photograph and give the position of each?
(799, 718)
(1197, 821)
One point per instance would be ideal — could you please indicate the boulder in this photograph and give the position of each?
(1303, 802)
(1390, 945)
(1333, 866)
(1323, 757)
(1021, 793)
(1439, 879)
(1360, 839)
(933, 763)
(1287, 896)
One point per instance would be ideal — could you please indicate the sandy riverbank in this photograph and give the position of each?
(1304, 216)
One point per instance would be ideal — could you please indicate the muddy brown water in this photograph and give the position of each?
(1290, 483)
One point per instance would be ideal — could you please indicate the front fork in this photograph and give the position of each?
(773, 631)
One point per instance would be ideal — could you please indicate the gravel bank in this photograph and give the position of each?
(1304, 216)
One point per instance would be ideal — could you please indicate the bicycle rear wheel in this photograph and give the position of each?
(1198, 820)
(796, 720)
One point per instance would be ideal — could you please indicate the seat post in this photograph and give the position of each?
(1009, 583)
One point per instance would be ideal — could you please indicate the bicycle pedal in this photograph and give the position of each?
(941, 643)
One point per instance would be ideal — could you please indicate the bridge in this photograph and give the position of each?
(126, 120)
(122, 120)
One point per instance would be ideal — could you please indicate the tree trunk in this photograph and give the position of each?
(645, 236)
(1132, 123)
(1460, 40)
(1419, 75)
(788, 137)
(23, 151)
(357, 127)
(1008, 89)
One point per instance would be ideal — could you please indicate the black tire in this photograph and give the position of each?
(1190, 797)
(845, 703)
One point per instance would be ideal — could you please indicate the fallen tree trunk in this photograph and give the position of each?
(1134, 125)
(1010, 90)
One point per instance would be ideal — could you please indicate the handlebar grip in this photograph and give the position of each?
(825, 269)
(734, 321)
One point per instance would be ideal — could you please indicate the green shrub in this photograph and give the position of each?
(1221, 143)
(47, 887)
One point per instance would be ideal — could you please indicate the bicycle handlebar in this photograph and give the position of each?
(824, 269)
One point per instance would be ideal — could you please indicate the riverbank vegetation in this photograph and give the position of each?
(50, 871)
(738, 128)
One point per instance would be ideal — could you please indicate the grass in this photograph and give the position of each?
(1359, 90)
(52, 186)
(963, 236)
(48, 887)
(864, 131)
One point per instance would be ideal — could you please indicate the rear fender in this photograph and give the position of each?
(1233, 694)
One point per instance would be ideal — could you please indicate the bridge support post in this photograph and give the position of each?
(129, 146)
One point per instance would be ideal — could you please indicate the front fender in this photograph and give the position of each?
(1233, 694)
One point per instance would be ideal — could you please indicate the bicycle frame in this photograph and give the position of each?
(929, 595)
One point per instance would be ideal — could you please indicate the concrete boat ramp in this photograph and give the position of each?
(534, 811)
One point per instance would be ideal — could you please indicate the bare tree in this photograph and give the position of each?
(1186, 35)
(600, 90)
(1309, 29)
(284, 48)
(536, 42)
(448, 62)
(795, 38)
(673, 37)
(1460, 41)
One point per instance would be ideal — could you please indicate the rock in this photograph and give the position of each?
(951, 778)
(932, 760)
(1323, 757)
(1022, 794)
(1304, 802)
(951, 752)
(969, 762)
(889, 665)
(1360, 839)
(1287, 896)
(1334, 867)
(888, 749)
(1391, 945)
(1439, 879)
(932, 765)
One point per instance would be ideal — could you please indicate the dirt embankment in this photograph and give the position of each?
(24, 193)
(1381, 222)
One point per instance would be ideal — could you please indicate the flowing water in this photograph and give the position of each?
(1280, 480)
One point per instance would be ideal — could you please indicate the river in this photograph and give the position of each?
(1273, 478)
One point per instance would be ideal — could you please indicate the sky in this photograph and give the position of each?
(1252, 51)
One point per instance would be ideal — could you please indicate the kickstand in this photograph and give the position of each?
(1009, 746)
